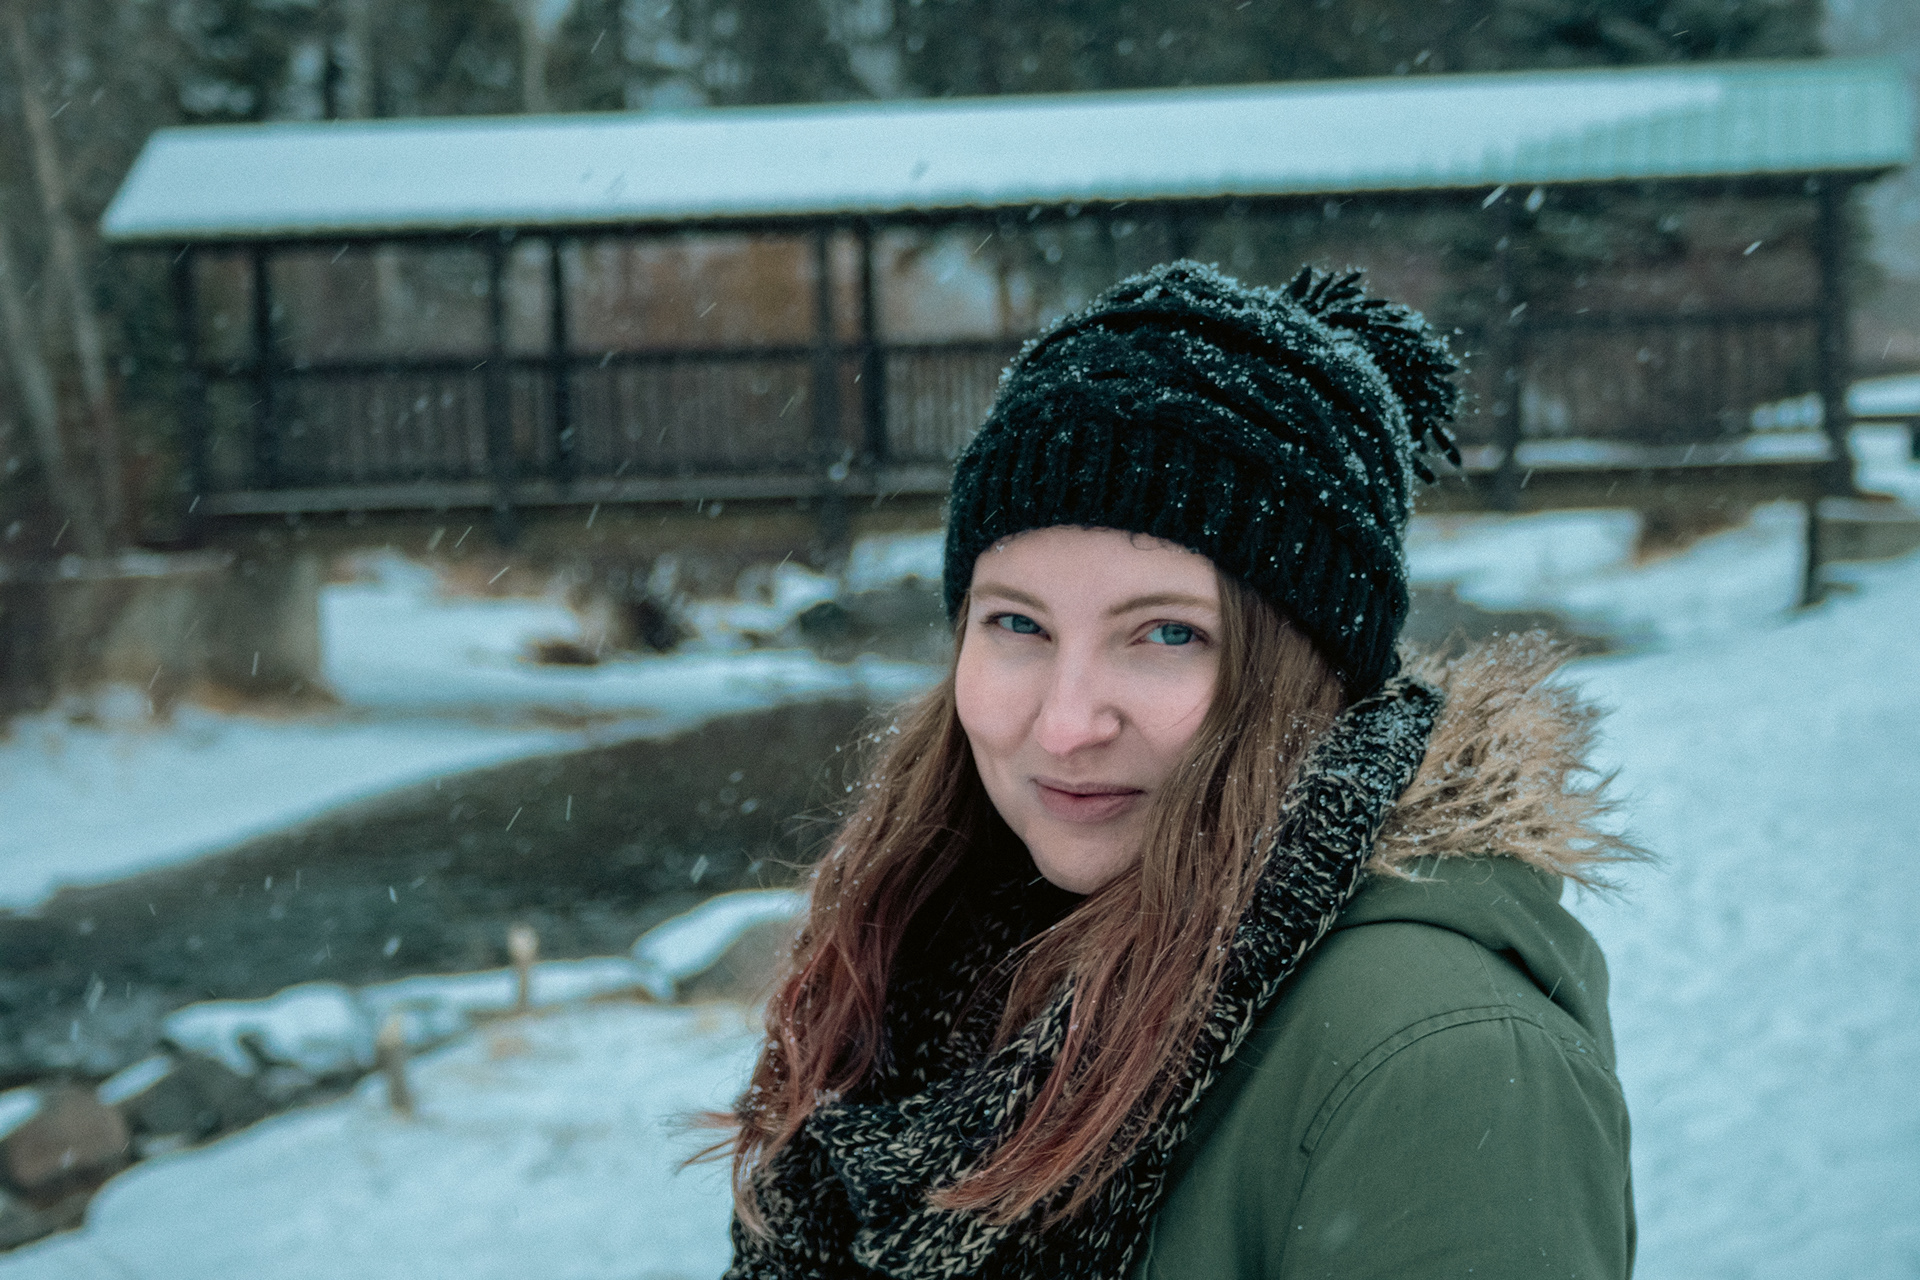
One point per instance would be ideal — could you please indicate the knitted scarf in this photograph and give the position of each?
(847, 1198)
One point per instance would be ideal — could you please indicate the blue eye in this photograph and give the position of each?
(1171, 633)
(1019, 623)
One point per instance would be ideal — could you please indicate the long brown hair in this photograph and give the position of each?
(1143, 954)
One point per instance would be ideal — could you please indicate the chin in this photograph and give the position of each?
(1077, 870)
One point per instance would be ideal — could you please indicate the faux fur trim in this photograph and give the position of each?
(1506, 772)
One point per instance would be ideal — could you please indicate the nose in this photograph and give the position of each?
(1079, 710)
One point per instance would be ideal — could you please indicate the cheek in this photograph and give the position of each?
(991, 699)
(1171, 712)
(973, 699)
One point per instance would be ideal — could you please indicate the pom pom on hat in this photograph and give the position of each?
(1413, 358)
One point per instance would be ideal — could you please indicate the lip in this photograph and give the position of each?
(1085, 801)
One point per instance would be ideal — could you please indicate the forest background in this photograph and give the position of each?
(87, 429)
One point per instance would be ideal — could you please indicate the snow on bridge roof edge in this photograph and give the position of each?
(373, 178)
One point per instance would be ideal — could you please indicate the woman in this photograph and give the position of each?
(1178, 933)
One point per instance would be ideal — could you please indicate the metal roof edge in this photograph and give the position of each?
(560, 224)
(1884, 70)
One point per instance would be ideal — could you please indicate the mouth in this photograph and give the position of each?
(1086, 801)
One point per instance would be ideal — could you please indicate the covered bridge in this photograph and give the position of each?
(815, 302)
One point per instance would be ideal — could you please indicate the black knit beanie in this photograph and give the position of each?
(1277, 432)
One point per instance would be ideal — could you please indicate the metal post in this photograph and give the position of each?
(266, 425)
(192, 389)
(496, 390)
(1836, 352)
(1506, 352)
(559, 370)
(873, 369)
(1835, 369)
(1812, 589)
(826, 401)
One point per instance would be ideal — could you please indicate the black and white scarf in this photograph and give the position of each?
(847, 1198)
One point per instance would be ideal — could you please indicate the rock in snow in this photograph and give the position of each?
(678, 951)
(318, 1027)
(71, 1139)
(327, 1030)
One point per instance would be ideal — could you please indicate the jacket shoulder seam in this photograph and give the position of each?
(1581, 1044)
(1411, 1034)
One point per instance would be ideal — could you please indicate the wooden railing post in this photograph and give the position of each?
(496, 392)
(191, 390)
(266, 419)
(873, 369)
(1506, 355)
(826, 402)
(559, 367)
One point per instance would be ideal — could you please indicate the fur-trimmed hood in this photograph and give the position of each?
(1506, 772)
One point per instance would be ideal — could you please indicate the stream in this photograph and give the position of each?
(591, 848)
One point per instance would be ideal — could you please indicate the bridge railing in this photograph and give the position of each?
(338, 432)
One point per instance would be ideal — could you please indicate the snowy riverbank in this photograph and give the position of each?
(432, 685)
(1764, 984)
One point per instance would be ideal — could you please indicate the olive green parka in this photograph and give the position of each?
(1433, 1093)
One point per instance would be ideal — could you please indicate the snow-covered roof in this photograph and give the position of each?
(367, 178)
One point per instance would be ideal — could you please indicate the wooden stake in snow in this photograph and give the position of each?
(390, 1057)
(523, 948)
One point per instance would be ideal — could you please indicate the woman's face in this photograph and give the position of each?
(1087, 662)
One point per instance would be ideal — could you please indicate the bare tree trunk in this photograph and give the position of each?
(87, 340)
(533, 56)
(42, 409)
(356, 42)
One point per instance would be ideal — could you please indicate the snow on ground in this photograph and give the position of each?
(1884, 461)
(431, 685)
(767, 606)
(545, 1146)
(324, 1028)
(906, 557)
(91, 802)
(1766, 974)
(691, 942)
(1580, 564)
(394, 643)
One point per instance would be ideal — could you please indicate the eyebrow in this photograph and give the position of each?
(1152, 601)
(1158, 599)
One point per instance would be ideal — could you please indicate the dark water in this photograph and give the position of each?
(591, 848)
